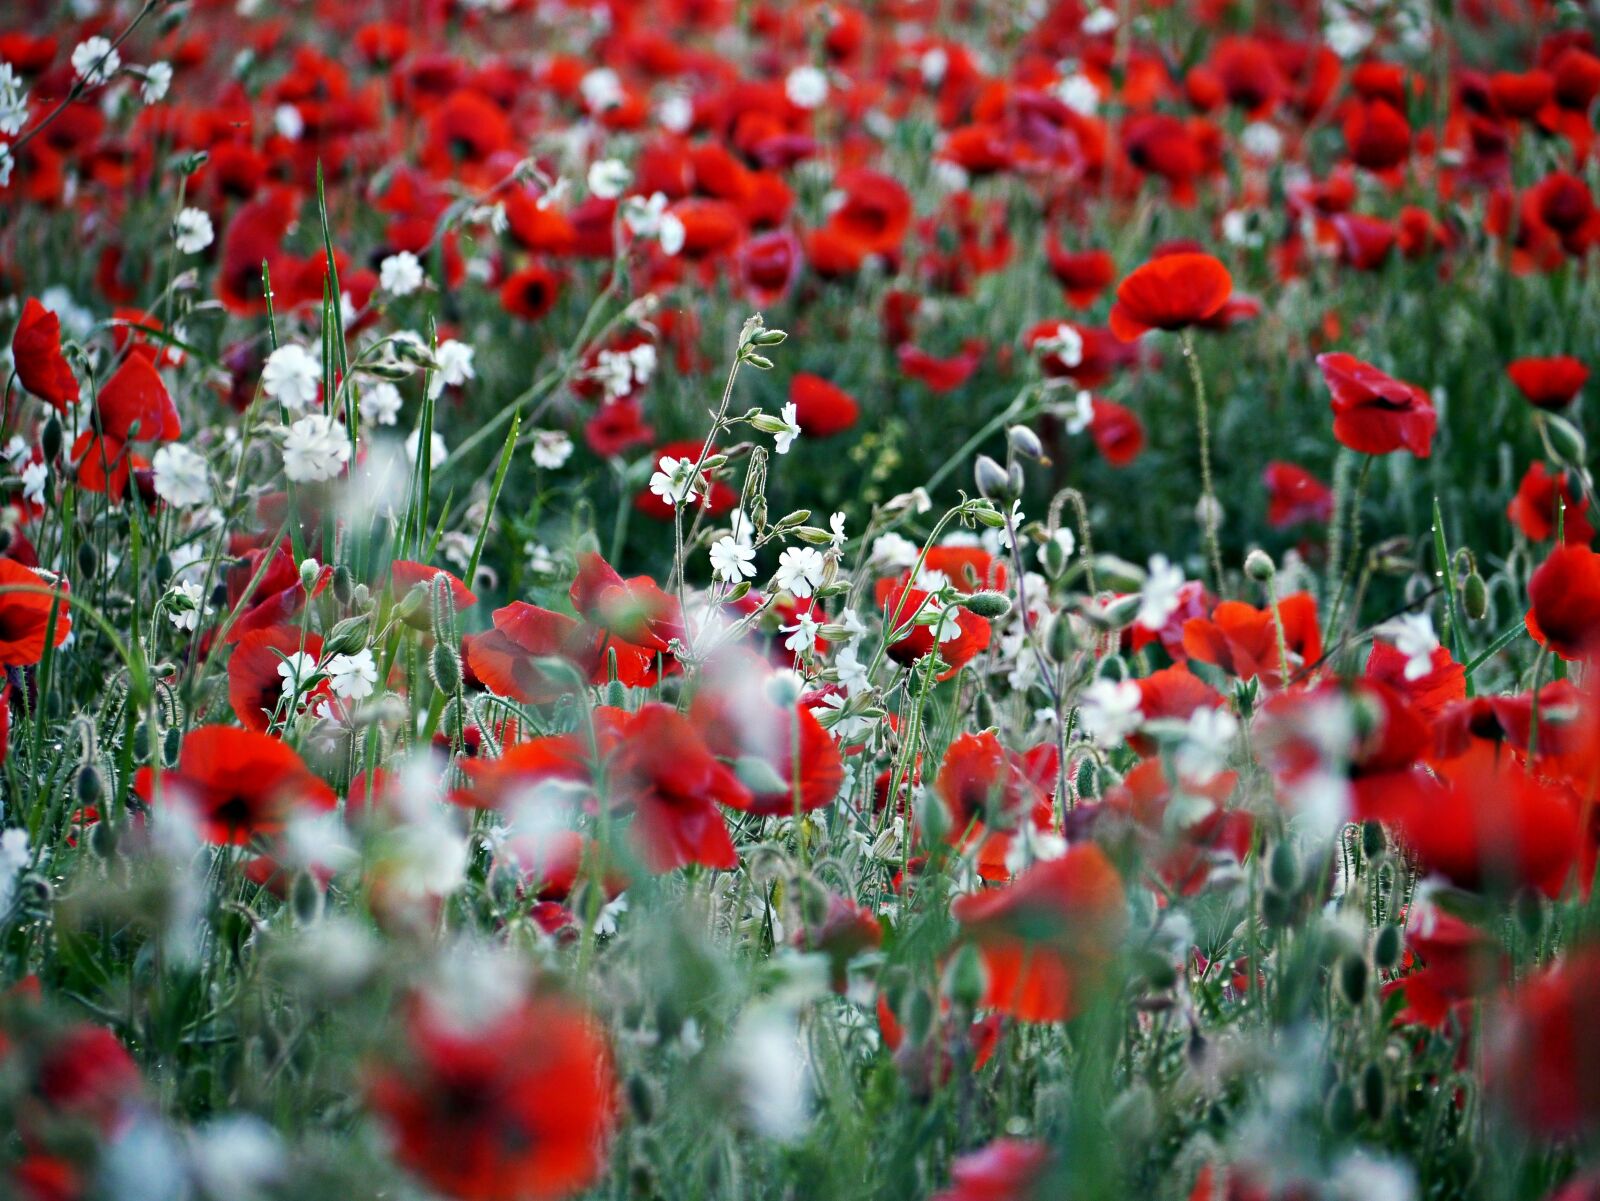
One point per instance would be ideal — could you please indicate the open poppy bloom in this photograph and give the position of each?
(655, 766)
(1294, 495)
(517, 1108)
(1182, 854)
(1008, 1169)
(1564, 602)
(966, 634)
(26, 613)
(1543, 1059)
(239, 783)
(1243, 640)
(1170, 292)
(1046, 938)
(1375, 413)
(1549, 383)
(1540, 498)
(822, 409)
(785, 757)
(36, 350)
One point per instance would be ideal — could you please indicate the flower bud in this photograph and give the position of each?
(1566, 441)
(310, 570)
(445, 667)
(1387, 947)
(991, 479)
(1258, 565)
(991, 605)
(1026, 443)
(1475, 597)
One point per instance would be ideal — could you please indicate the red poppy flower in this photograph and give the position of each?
(1533, 510)
(516, 1108)
(982, 782)
(939, 374)
(1295, 495)
(405, 574)
(255, 685)
(1117, 432)
(1008, 1169)
(135, 406)
(1243, 640)
(1551, 383)
(1171, 292)
(1375, 413)
(86, 1072)
(25, 615)
(507, 659)
(1459, 963)
(1046, 938)
(785, 757)
(875, 214)
(634, 610)
(899, 602)
(1082, 274)
(1564, 602)
(1182, 854)
(36, 351)
(822, 409)
(240, 783)
(1377, 136)
(1543, 1059)
(530, 293)
(1443, 684)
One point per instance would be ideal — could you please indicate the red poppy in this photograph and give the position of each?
(899, 603)
(85, 1072)
(980, 782)
(1117, 432)
(1295, 495)
(1243, 640)
(240, 783)
(1008, 1169)
(1184, 853)
(36, 351)
(1458, 964)
(822, 409)
(1377, 136)
(634, 610)
(1082, 274)
(25, 614)
(1375, 413)
(1540, 497)
(1444, 683)
(531, 293)
(939, 374)
(405, 574)
(135, 406)
(1564, 602)
(1170, 292)
(1551, 383)
(255, 685)
(515, 1108)
(507, 659)
(1543, 1058)
(785, 757)
(1046, 938)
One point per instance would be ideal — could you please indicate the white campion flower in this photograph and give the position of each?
(608, 178)
(676, 113)
(672, 234)
(732, 560)
(642, 215)
(185, 606)
(1109, 711)
(380, 403)
(551, 449)
(13, 858)
(784, 438)
(182, 479)
(7, 162)
(34, 478)
(353, 677)
(673, 480)
(316, 448)
(1262, 141)
(836, 529)
(1065, 345)
(1158, 600)
(288, 122)
(292, 376)
(13, 101)
(601, 89)
(1206, 743)
(800, 570)
(1413, 636)
(806, 87)
(1099, 21)
(1078, 92)
(802, 638)
(400, 274)
(454, 361)
(157, 81)
(295, 671)
(95, 60)
(438, 452)
(192, 230)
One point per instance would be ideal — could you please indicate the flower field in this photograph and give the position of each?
(950, 600)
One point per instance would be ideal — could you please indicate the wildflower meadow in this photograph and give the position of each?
(791, 600)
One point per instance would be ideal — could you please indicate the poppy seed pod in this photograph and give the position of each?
(1386, 948)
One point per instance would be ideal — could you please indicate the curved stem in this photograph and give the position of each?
(1202, 417)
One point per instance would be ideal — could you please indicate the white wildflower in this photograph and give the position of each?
(551, 449)
(182, 479)
(192, 231)
(353, 677)
(800, 570)
(292, 376)
(316, 448)
(95, 60)
(731, 560)
(400, 274)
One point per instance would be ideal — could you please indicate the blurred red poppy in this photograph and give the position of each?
(1564, 602)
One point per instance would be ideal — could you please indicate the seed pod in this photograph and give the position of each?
(1341, 1111)
(346, 637)
(1566, 441)
(1374, 1091)
(306, 897)
(965, 978)
(918, 1017)
(990, 605)
(616, 694)
(1061, 643)
(1353, 976)
(445, 667)
(103, 839)
(1053, 558)
(1374, 843)
(1386, 948)
(983, 711)
(88, 787)
(1025, 442)
(1283, 872)
(991, 478)
(1277, 909)
(50, 439)
(88, 561)
(163, 569)
(343, 584)
(442, 608)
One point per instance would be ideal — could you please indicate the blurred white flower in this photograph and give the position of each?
(95, 60)
(609, 178)
(13, 858)
(1158, 599)
(806, 87)
(157, 80)
(400, 274)
(13, 101)
(181, 476)
(288, 122)
(185, 607)
(802, 638)
(454, 366)
(34, 478)
(1109, 711)
(316, 448)
(192, 231)
(551, 449)
(1413, 636)
(784, 438)
(672, 234)
(292, 376)
(353, 677)
(381, 403)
